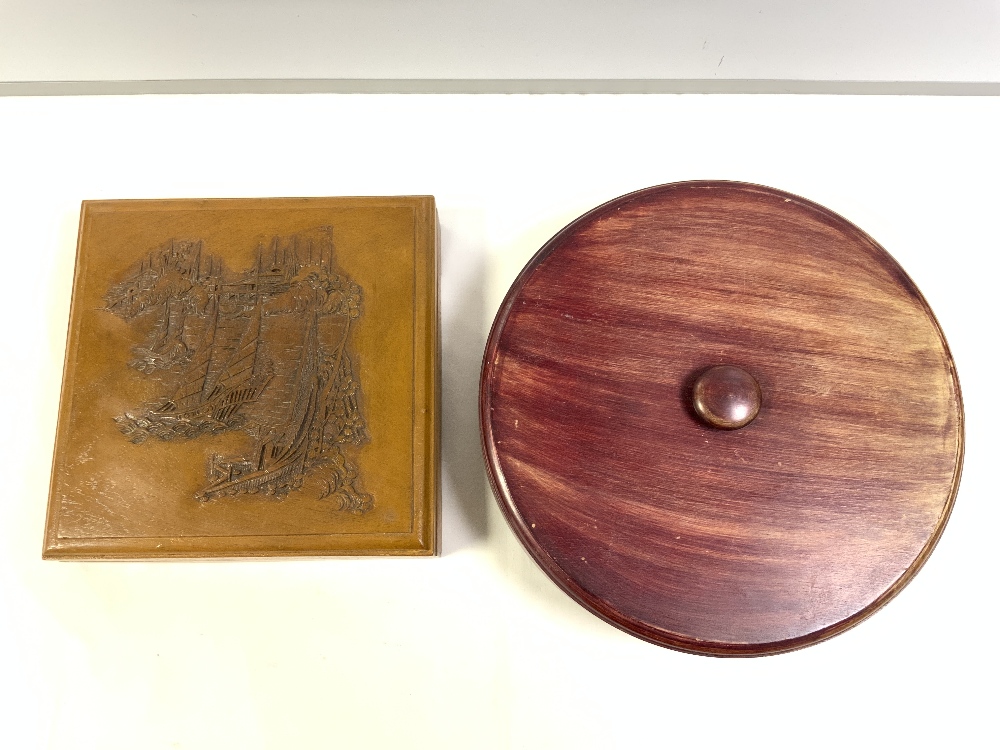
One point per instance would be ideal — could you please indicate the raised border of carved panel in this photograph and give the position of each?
(250, 377)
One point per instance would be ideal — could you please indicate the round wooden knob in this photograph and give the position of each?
(726, 397)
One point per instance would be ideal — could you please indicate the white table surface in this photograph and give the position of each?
(477, 648)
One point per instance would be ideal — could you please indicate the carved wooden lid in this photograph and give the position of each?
(616, 399)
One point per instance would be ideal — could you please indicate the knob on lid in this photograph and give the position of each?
(721, 417)
(726, 397)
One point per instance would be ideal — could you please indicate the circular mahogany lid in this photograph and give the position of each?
(722, 418)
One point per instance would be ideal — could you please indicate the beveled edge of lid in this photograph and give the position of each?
(598, 606)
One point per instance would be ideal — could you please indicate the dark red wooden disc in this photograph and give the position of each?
(741, 541)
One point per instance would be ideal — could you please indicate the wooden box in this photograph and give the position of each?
(722, 418)
(250, 377)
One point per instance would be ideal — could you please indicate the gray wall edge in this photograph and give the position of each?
(498, 86)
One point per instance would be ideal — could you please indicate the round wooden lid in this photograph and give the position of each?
(615, 392)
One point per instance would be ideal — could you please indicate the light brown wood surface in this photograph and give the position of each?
(250, 377)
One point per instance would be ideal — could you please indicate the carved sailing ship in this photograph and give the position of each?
(265, 351)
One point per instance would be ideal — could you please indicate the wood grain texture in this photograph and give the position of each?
(744, 542)
(250, 377)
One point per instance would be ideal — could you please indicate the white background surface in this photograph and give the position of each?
(476, 648)
(847, 40)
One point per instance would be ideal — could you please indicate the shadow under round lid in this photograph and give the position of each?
(727, 540)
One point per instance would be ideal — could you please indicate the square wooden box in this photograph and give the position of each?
(250, 377)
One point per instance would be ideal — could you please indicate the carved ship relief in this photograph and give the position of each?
(265, 350)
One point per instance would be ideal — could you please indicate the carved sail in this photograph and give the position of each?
(289, 454)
